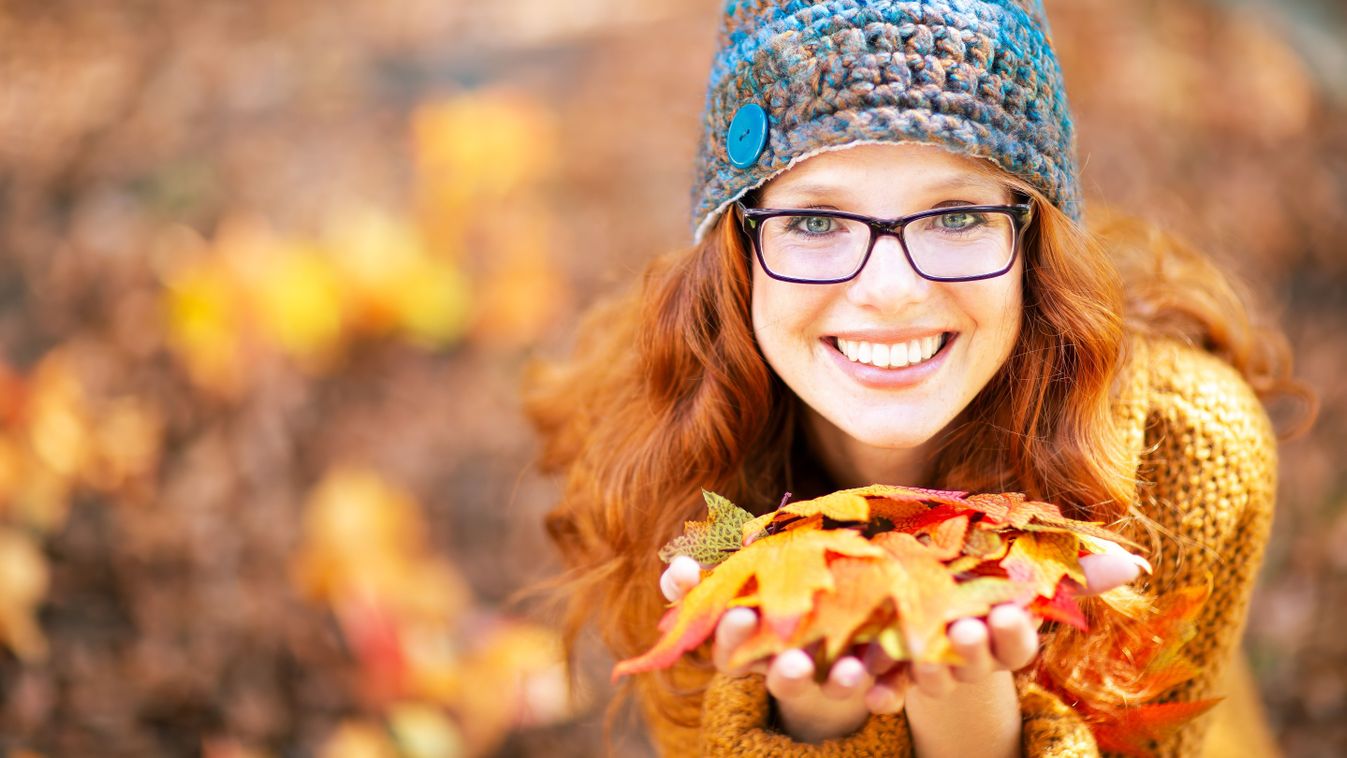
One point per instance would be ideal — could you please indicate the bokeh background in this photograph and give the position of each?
(270, 272)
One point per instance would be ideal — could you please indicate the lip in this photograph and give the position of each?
(889, 336)
(888, 378)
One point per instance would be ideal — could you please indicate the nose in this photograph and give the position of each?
(888, 279)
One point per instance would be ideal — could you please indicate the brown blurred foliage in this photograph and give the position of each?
(271, 271)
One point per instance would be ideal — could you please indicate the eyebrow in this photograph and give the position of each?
(949, 184)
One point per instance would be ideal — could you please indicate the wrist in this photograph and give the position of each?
(815, 719)
(981, 718)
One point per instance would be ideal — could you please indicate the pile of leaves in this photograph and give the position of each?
(889, 565)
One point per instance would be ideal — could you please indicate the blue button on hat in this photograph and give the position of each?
(747, 135)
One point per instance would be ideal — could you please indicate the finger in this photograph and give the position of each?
(682, 575)
(737, 625)
(790, 675)
(933, 679)
(846, 679)
(888, 694)
(1013, 636)
(877, 661)
(1104, 572)
(971, 641)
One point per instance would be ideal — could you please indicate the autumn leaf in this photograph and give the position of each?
(710, 542)
(861, 587)
(1132, 731)
(788, 569)
(891, 565)
(861, 504)
(1040, 561)
(920, 591)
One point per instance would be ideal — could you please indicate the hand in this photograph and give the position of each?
(857, 685)
(942, 696)
(868, 681)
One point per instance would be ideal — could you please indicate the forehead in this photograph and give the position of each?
(897, 172)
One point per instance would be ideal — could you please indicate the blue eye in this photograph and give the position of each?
(817, 224)
(958, 222)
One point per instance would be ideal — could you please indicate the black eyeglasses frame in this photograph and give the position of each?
(751, 220)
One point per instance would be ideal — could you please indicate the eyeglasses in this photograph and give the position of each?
(955, 244)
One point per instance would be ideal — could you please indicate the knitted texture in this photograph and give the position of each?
(1206, 468)
(978, 77)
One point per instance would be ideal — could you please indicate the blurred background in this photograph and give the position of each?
(270, 272)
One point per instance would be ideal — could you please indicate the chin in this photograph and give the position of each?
(896, 434)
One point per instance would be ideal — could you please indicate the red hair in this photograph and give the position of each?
(667, 394)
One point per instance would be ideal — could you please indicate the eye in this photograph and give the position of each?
(958, 222)
(817, 224)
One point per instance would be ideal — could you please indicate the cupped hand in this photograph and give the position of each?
(857, 685)
(868, 681)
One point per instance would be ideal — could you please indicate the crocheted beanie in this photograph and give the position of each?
(793, 78)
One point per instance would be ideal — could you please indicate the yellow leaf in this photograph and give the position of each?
(787, 570)
(298, 303)
(358, 739)
(23, 585)
(424, 731)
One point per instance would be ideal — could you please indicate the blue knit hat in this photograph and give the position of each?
(797, 78)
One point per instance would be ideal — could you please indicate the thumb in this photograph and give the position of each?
(1106, 571)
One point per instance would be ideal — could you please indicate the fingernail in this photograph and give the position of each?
(794, 666)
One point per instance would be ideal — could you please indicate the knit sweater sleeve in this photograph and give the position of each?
(1208, 479)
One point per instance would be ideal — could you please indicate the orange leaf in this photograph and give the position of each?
(1133, 728)
(788, 567)
(1012, 508)
(1061, 606)
(1040, 561)
(862, 587)
(921, 591)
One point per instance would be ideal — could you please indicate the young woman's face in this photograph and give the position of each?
(807, 330)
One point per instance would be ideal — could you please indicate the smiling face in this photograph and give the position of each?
(838, 346)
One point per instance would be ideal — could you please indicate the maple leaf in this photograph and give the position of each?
(788, 567)
(710, 542)
(921, 592)
(861, 587)
(1040, 561)
(861, 504)
(890, 565)
(1133, 729)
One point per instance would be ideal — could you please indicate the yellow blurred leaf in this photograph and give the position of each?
(482, 146)
(425, 731)
(523, 293)
(59, 428)
(433, 304)
(23, 585)
(299, 302)
(364, 538)
(358, 739)
(128, 436)
(524, 664)
(202, 308)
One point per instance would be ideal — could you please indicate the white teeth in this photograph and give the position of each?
(879, 355)
(898, 355)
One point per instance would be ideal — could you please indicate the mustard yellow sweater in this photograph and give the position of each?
(1206, 464)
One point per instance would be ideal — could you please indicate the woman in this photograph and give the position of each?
(890, 283)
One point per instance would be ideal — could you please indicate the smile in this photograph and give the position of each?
(896, 355)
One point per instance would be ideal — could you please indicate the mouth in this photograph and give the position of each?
(894, 355)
